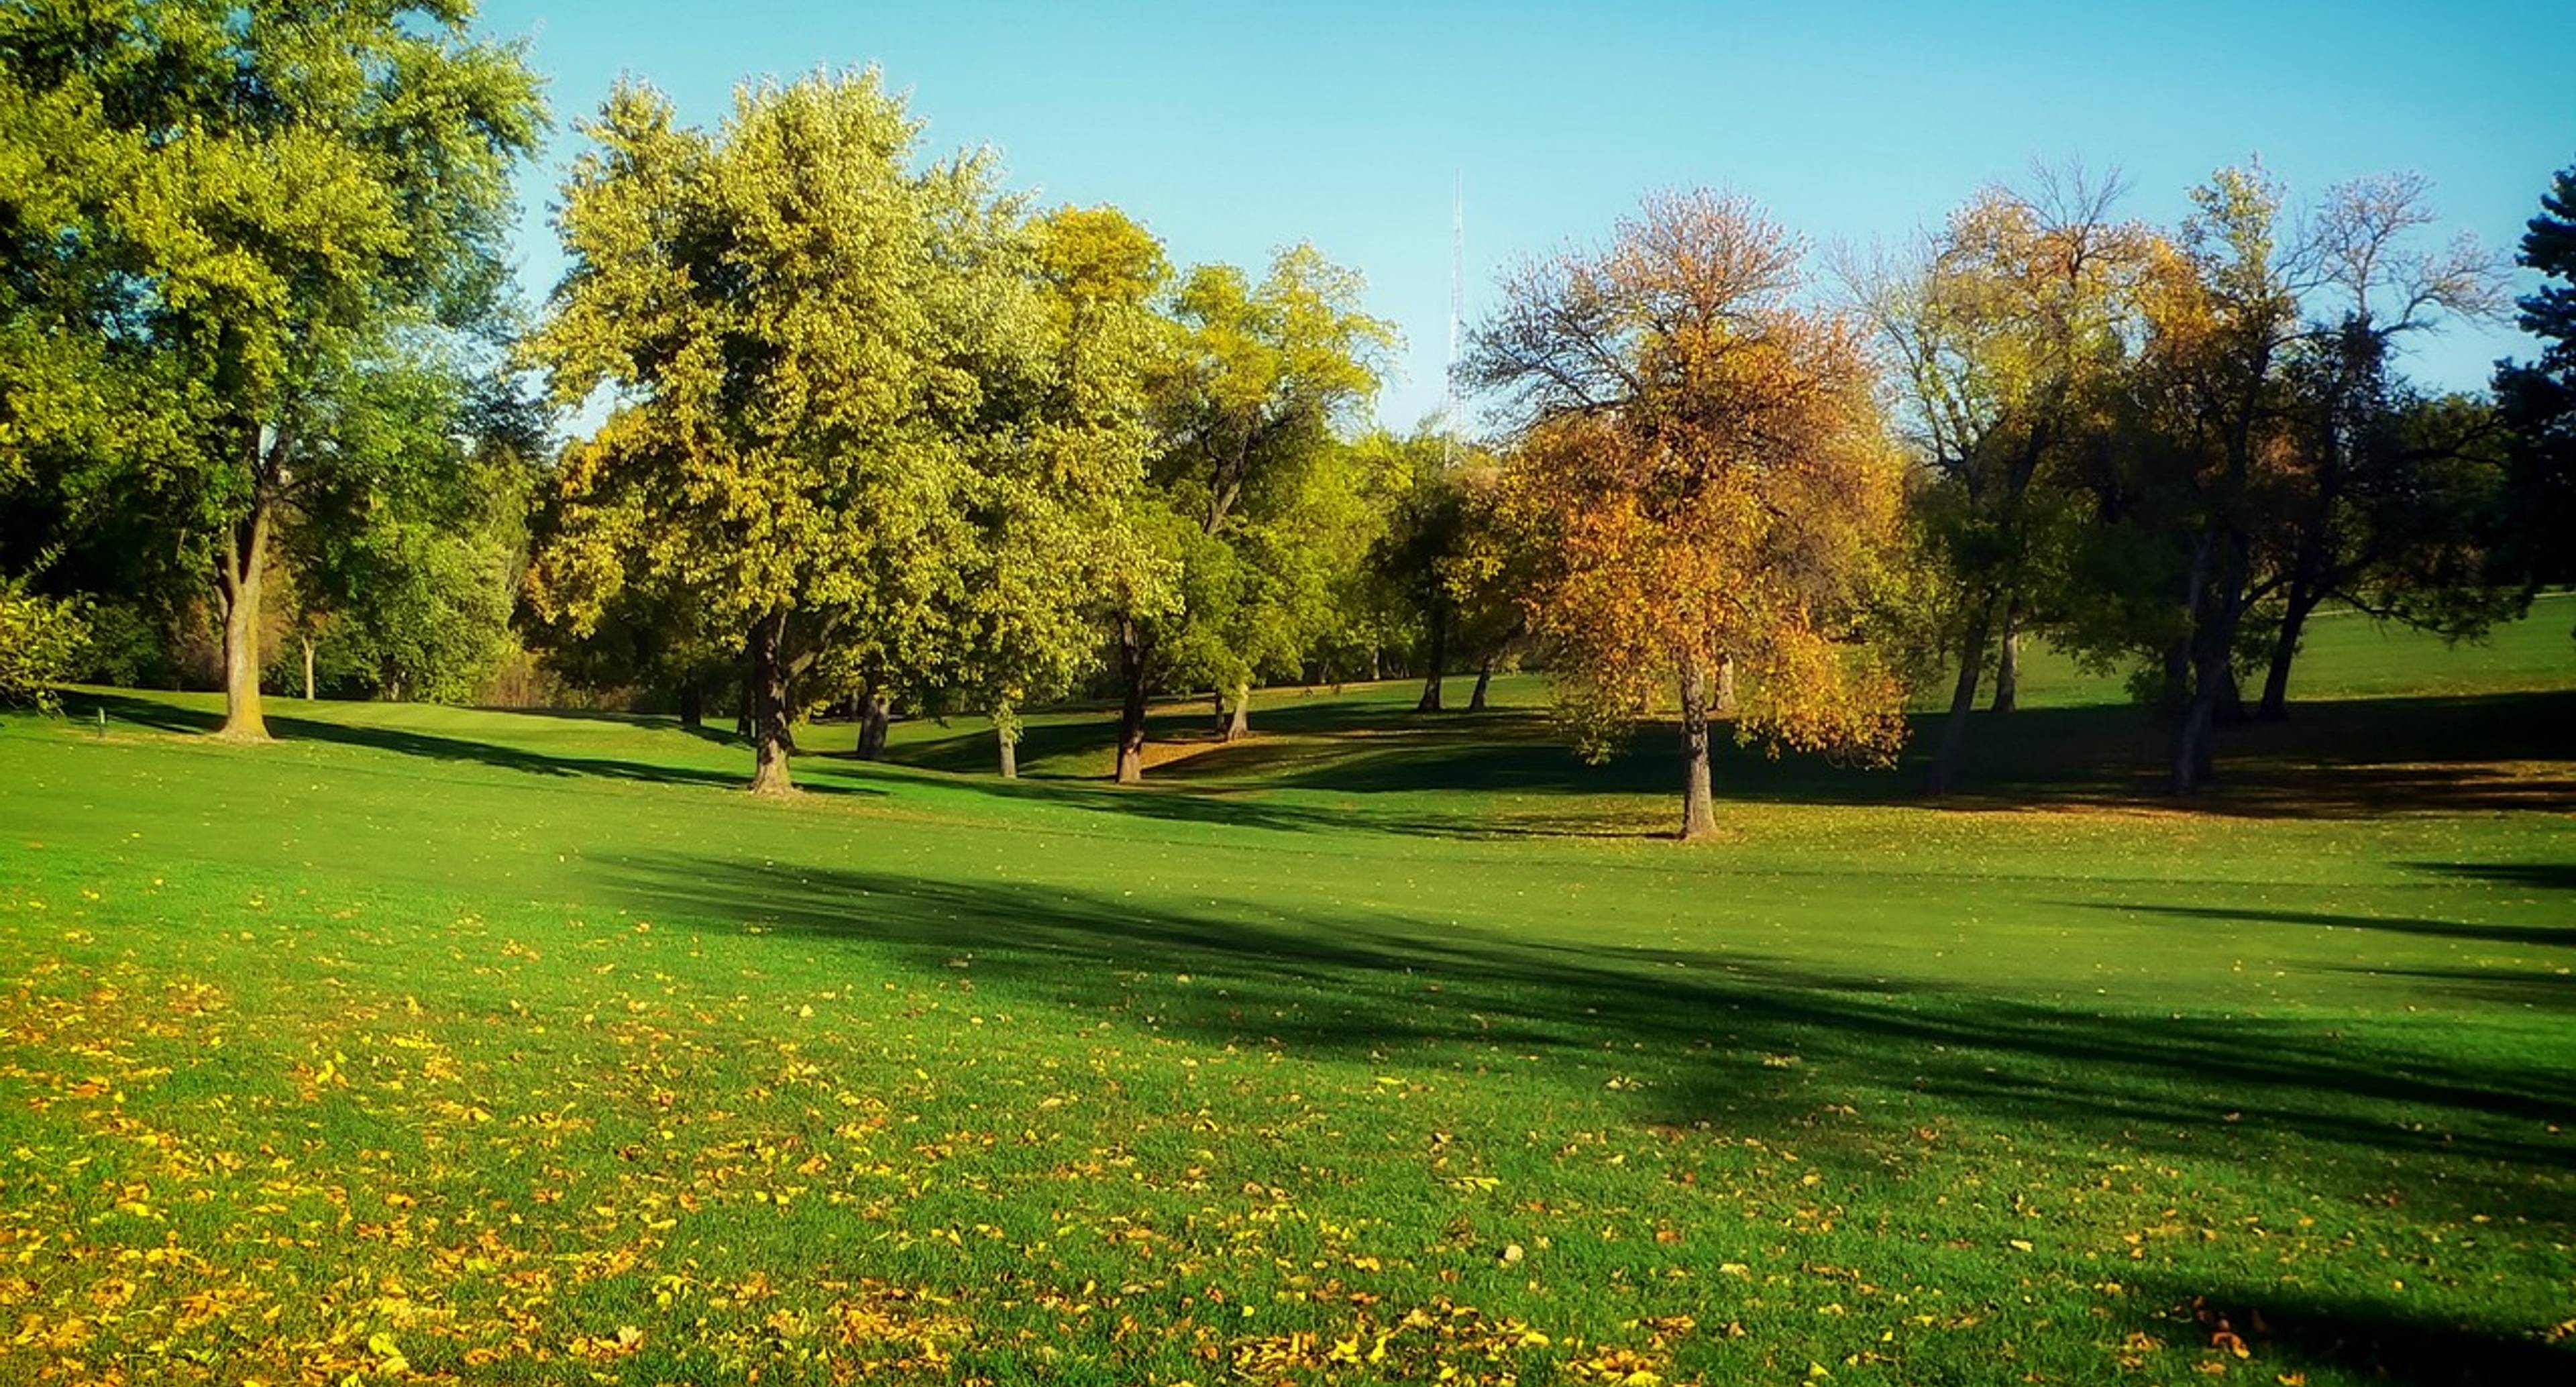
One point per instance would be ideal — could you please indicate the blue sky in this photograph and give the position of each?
(1230, 130)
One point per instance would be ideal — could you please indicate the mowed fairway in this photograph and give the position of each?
(432, 1044)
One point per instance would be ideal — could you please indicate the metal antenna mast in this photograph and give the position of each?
(1457, 311)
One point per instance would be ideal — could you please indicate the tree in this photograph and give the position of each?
(406, 588)
(278, 197)
(1424, 540)
(797, 327)
(2538, 398)
(2207, 428)
(2375, 488)
(1706, 473)
(1246, 411)
(2003, 340)
(1052, 506)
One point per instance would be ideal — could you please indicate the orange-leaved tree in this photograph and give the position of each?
(1703, 481)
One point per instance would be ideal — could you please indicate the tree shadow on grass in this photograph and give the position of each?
(2559, 936)
(2542, 876)
(1715, 1026)
(2352, 758)
(165, 717)
(2283, 1326)
(2539, 991)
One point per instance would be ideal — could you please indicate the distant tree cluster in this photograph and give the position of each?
(853, 426)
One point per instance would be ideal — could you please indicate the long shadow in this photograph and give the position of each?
(2492, 987)
(2375, 1339)
(2560, 936)
(2545, 876)
(1714, 1023)
(163, 717)
(2345, 759)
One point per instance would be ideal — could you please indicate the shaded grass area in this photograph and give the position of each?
(436, 1044)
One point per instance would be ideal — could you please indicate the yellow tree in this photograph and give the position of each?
(1703, 477)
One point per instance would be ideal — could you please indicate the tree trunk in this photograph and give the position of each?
(1963, 701)
(1238, 724)
(874, 716)
(1430, 701)
(2008, 663)
(1484, 677)
(1131, 708)
(1010, 744)
(2285, 648)
(693, 705)
(1725, 685)
(2175, 702)
(308, 669)
(2193, 759)
(2230, 709)
(245, 562)
(769, 707)
(1699, 817)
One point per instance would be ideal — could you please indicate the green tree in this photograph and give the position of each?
(2538, 397)
(248, 204)
(2385, 498)
(1246, 411)
(405, 588)
(1055, 542)
(797, 328)
(2003, 339)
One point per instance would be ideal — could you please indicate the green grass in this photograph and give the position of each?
(496, 1047)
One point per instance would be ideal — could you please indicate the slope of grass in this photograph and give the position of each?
(434, 1044)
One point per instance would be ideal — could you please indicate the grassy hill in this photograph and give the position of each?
(438, 1044)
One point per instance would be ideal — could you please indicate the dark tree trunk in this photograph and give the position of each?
(2217, 608)
(2230, 709)
(2175, 701)
(874, 715)
(1131, 708)
(1430, 700)
(2008, 663)
(1699, 816)
(771, 746)
(1484, 677)
(239, 579)
(1963, 701)
(693, 705)
(2285, 648)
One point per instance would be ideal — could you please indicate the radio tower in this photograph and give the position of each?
(1457, 311)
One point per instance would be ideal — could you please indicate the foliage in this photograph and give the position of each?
(1054, 545)
(1705, 470)
(2538, 398)
(1255, 509)
(42, 641)
(797, 330)
(240, 209)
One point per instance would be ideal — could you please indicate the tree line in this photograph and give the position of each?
(817, 418)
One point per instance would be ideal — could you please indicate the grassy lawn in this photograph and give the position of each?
(436, 1044)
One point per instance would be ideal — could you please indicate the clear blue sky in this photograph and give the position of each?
(1230, 130)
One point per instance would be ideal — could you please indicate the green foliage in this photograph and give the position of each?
(807, 342)
(2538, 398)
(1054, 545)
(1268, 513)
(228, 220)
(42, 642)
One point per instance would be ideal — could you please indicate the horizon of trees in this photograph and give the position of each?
(878, 433)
